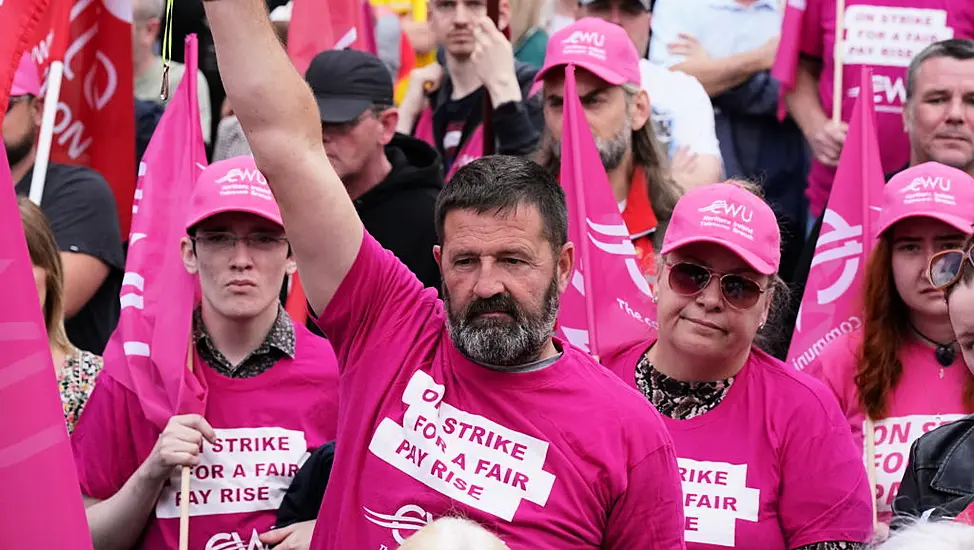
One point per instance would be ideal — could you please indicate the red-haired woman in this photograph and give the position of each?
(901, 372)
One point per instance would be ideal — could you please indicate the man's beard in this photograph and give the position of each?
(18, 150)
(611, 151)
(502, 342)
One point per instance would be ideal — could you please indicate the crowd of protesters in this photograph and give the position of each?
(424, 400)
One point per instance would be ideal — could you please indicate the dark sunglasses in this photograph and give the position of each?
(945, 267)
(688, 279)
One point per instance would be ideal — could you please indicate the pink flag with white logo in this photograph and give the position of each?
(786, 60)
(608, 302)
(147, 352)
(319, 25)
(40, 504)
(829, 306)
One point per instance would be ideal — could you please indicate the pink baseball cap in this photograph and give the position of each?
(232, 185)
(731, 216)
(596, 45)
(929, 190)
(26, 79)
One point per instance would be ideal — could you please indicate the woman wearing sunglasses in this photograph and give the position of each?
(902, 368)
(764, 452)
(938, 481)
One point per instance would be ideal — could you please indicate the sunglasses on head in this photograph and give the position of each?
(946, 267)
(689, 279)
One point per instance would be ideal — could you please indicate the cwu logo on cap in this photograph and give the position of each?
(588, 38)
(246, 175)
(925, 183)
(722, 207)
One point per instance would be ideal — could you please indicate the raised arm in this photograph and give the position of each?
(279, 116)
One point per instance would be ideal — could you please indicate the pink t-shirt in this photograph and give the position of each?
(884, 35)
(920, 402)
(563, 457)
(772, 467)
(265, 425)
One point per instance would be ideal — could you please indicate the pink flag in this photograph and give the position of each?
(786, 60)
(147, 352)
(319, 25)
(608, 302)
(829, 307)
(40, 504)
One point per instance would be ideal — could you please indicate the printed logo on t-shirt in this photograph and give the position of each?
(233, 541)
(893, 438)
(407, 520)
(464, 456)
(885, 36)
(246, 470)
(663, 128)
(715, 496)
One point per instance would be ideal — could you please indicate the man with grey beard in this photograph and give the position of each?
(619, 116)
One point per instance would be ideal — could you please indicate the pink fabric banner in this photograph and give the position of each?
(786, 60)
(40, 506)
(607, 304)
(830, 305)
(147, 352)
(319, 25)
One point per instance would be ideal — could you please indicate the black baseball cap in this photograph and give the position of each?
(347, 82)
(646, 4)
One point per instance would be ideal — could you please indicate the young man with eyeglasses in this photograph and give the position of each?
(80, 206)
(271, 390)
(445, 100)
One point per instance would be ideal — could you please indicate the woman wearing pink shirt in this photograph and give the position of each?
(938, 482)
(764, 452)
(901, 368)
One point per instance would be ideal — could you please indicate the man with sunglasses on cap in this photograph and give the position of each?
(270, 386)
(81, 208)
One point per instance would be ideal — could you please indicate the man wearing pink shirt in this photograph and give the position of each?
(884, 35)
(468, 406)
(270, 389)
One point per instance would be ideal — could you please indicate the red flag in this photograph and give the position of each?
(38, 479)
(147, 352)
(319, 25)
(94, 125)
(608, 304)
(18, 21)
(786, 60)
(829, 307)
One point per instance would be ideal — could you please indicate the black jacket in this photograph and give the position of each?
(303, 498)
(517, 125)
(938, 479)
(399, 211)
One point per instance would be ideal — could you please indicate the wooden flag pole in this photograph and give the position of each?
(839, 56)
(184, 479)
(870, 434)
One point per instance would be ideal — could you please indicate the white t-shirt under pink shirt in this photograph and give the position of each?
(920, 402)
(564, 457)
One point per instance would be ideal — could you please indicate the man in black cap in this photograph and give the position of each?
(393, 179)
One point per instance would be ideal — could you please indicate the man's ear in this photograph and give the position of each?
(566, 265)
(389, 119)
(504, 15)
(190, 261)
(641, 110)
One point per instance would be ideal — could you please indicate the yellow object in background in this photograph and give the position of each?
(415, 10)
